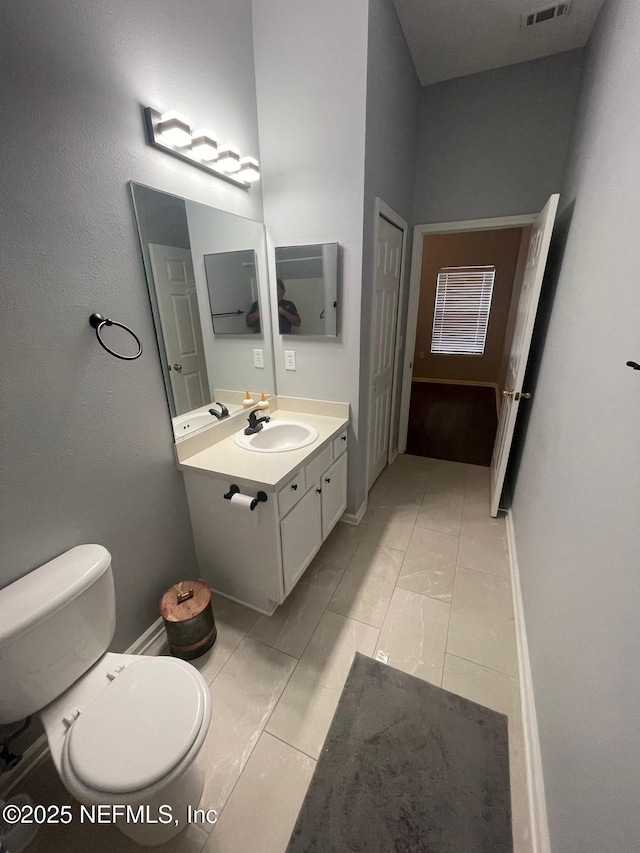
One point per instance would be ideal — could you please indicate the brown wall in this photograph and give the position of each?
(500, 248)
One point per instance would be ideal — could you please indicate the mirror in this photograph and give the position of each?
(207, 276)
(308, 289)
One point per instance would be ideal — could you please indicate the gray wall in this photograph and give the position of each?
(495, 144)
(578, 490)
(393, 93)
(86, 451)
(311, 65)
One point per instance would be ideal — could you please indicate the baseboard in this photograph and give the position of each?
(355, 518)
(540, 841)
(35, 754)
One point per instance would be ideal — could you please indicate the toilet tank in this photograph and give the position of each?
(55, 623)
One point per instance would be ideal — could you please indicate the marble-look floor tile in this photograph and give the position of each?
(232, 621)
(414, 635)
(305, 710)
(408, 464)
(482, 625)
(340, 546)
(429, 564)
(483, 545)
(367, 585)
(262, 810)
(391, 525)
(242, 698)
(447, 474)
(291, 626)
(441, 507)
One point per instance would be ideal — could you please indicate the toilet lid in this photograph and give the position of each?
(139, 728)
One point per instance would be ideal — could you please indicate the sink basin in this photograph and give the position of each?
(277, 436)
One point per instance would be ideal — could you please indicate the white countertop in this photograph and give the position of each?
(226, 459)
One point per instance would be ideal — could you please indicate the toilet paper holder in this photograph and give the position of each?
(260, 498)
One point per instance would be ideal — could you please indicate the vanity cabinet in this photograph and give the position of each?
(256, 557)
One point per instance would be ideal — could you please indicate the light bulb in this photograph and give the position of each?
(174, 131)
(204, 145)
(229, 159)
(249, 170)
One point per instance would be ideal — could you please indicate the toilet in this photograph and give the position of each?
(123, 730)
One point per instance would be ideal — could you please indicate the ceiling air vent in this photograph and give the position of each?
(560, 10)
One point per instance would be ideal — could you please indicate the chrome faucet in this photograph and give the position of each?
(255, 423)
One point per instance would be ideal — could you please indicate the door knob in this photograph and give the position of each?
(526, 395)
(178, 368)
(506, 393)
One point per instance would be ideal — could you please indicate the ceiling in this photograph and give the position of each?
(453, 38)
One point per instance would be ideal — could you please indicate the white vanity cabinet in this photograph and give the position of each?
(256, 557)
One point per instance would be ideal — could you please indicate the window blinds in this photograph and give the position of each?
(461, 315)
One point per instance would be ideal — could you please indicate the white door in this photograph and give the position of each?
(386, 288)
(527, 308)
(180, 320)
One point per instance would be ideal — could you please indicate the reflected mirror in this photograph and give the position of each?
(308, 289)
(201, 263)
(233, 292)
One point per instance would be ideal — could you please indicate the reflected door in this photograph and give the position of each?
(181, 330)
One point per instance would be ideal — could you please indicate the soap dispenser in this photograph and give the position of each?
(263, 404)
(248, 403)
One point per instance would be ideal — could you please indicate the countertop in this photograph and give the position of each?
(226, 459)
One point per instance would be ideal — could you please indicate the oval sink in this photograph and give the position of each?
(277, 436)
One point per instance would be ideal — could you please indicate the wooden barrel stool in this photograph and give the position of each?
(188, 619)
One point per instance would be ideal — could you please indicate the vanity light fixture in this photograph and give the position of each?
(171, 133)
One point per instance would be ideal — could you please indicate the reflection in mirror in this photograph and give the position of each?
(233, 292)
(201, 261)
(308, 289)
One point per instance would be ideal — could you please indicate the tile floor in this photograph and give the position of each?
(424, 577)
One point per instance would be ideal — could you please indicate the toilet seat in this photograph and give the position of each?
(139, 728)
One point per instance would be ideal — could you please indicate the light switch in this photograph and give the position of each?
(258, 358)
(290, 359)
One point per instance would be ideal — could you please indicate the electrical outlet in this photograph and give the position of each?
(290, 359)
(258, 358)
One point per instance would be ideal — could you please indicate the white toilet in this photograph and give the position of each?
(122, 729)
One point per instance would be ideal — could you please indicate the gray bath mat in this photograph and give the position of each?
(407, 767)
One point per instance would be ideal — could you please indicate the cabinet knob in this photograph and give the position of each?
(327, 479)
(319, 491)
(294, 487)
(344, 437)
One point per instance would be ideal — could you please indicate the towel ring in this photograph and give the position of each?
(98, 321)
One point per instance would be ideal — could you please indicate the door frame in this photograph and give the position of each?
(419, 231)
(381, 208)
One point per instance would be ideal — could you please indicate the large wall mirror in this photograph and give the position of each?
(308, 289)
(207, 276)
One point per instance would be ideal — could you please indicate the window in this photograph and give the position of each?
(461, 315)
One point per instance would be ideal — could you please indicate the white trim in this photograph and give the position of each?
(35, 754)
(419, 232)
(354, 518)
(381, 208)
(540, 841)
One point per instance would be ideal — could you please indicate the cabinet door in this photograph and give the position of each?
(334, 494)
(301, 537)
